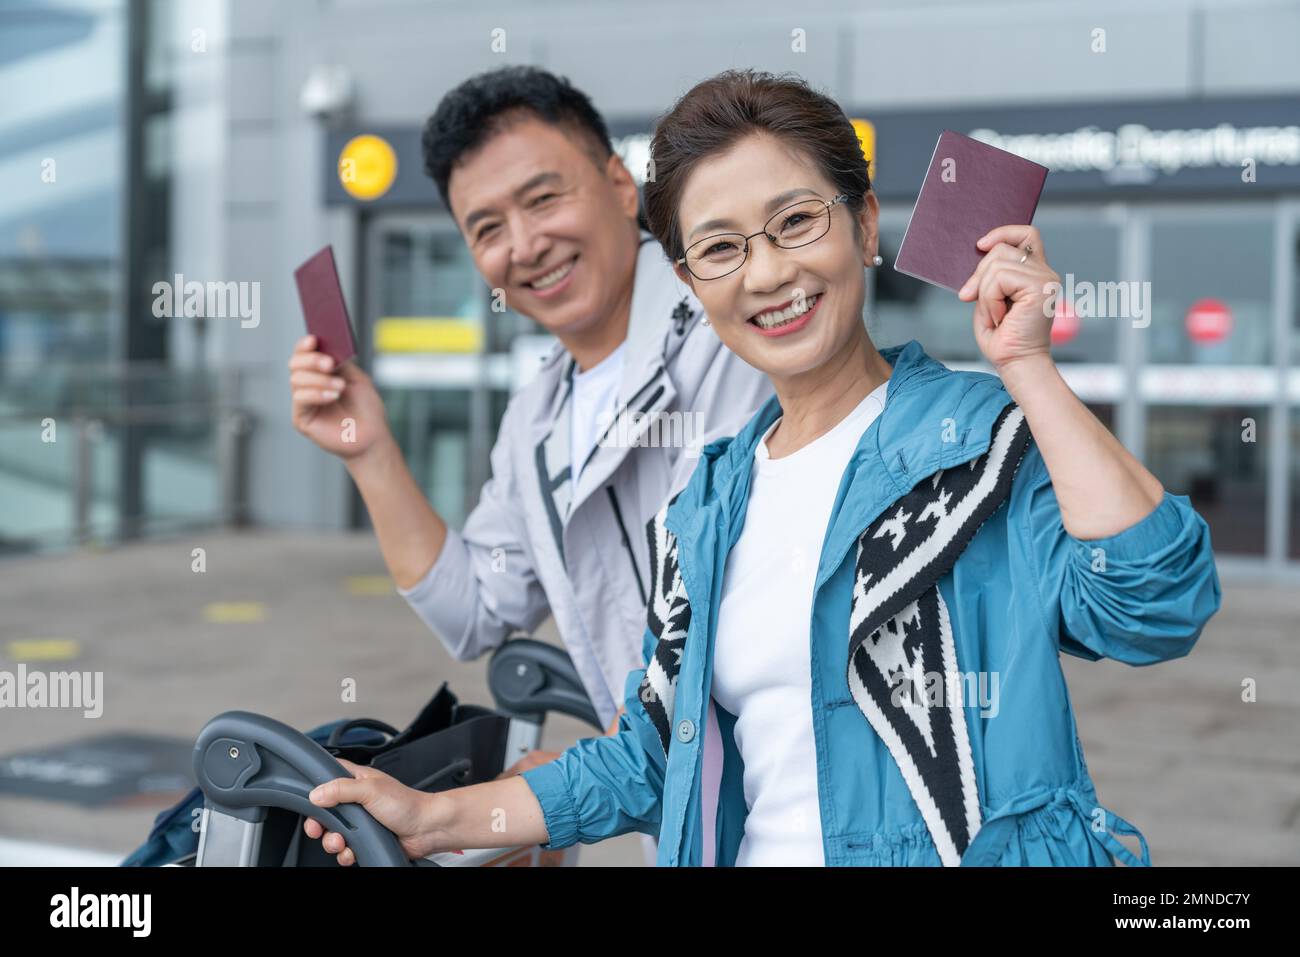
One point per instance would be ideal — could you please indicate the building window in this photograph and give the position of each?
(1199, 266)
(1218, 457)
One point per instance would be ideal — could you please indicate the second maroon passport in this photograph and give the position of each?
(969, 189)
(323, 306)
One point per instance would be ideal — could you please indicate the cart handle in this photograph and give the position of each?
(246, 763)
(528, 678)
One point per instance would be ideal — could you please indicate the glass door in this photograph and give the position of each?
(426, 330)
(1211, 384)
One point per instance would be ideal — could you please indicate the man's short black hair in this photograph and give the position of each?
(485, 104)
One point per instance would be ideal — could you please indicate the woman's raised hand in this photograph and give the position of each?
(1009, 333)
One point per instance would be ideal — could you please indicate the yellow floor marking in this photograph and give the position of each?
(369, 585)
(43, 649)
(233, 612)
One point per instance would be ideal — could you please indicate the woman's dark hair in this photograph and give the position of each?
(723, 109)
(482, 106)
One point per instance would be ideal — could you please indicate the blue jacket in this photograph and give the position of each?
(1021, 591)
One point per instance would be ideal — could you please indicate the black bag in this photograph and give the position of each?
(448, 745)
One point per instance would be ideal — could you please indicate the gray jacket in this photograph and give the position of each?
(536, 543)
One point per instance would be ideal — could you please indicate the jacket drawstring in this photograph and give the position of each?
(995, 833)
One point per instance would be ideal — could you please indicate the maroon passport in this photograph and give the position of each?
(323, 306)
(969, 189)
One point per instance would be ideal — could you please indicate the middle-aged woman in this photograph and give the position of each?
(853, 646)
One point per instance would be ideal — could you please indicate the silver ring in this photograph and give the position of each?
(1029, 251)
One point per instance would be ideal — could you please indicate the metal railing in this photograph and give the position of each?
(94, 400)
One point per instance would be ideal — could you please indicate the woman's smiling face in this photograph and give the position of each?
(738, 191)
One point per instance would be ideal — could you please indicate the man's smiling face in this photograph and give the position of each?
(547, 223)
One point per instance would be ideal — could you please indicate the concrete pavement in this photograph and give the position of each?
(278, 620)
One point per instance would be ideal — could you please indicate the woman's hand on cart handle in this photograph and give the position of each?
(492, 814)
(389, 801)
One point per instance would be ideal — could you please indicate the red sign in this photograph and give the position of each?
(1209, 320)
(1065, 324)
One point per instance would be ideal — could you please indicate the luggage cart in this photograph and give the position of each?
(255, 773)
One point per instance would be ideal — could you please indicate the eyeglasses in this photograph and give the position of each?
(796, 225)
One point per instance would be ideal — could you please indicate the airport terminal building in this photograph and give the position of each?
(212, 152)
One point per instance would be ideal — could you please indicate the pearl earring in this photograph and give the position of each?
(704, 321)
(877, 260)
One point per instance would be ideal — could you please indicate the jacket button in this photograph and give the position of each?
(685, 730)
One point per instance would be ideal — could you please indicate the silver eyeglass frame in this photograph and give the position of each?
(841, 198)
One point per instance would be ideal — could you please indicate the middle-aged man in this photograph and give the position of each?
(589, 449)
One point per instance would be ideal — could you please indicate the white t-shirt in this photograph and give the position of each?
(762, 664)
(594, 391)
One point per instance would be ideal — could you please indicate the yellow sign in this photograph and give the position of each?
(367, 166)
(409, 334)
(866, 131)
